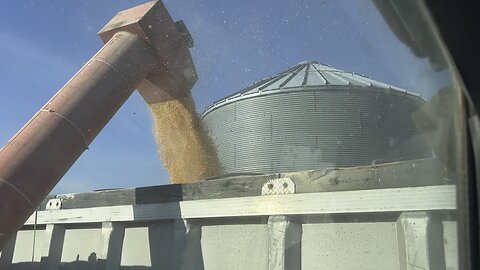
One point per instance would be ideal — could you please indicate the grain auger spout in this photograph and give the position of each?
(145, 50)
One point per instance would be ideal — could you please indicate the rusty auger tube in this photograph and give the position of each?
(36, 158)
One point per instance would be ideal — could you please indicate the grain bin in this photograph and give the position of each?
(314, 116)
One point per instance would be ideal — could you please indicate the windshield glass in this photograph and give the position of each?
(302, 134)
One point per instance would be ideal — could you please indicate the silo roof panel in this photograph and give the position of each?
(308, 74)
(354, 79)
(275, 84)
(297, 78)
(315, 78)
(334, 79)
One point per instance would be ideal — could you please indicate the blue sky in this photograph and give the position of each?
(44, 42)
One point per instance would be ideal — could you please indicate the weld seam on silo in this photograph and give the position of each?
(18, 191)
(114, 68)
(71, 123)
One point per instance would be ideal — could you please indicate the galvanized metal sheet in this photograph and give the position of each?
(330, 125)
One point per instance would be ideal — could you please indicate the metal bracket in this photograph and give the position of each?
(54, 204)
(278, 186)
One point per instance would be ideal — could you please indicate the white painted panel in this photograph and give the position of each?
(81, 245)
(450, 244)
(136, 250)
(235, 247)
(346, 246)
(24, 246)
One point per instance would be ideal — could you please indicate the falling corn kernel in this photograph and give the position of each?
(187, 152)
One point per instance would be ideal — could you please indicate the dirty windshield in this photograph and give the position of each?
(227, 135)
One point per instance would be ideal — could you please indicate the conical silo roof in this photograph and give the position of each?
(307, 75)
(313, 74)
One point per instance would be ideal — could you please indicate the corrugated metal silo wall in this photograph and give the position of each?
(302, 130)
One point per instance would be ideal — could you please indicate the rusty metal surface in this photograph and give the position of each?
(42, 152)
(36, 158)
(175, 74)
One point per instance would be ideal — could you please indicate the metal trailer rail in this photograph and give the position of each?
(390, 216)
